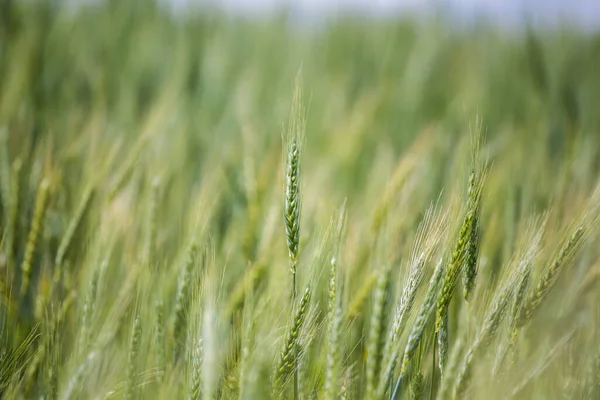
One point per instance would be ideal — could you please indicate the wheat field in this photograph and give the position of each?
(196, 205)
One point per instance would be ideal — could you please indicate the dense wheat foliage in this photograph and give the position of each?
(196, 206)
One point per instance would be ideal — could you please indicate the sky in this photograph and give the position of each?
(583, 13)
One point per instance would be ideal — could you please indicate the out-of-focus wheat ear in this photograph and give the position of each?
(34, 233)
(42, 352)
(597, 375)
(50, 367)
(127, 166)
(211, 343)
(88, 308)
(151, 217)
(344, 393)
(487, 332)
(417, 386)
(159, 339)
(334, 336)
(362, 294)
(375, 336)
(73, 382)
(334, 361)
(429, 235)
(5, 189)
(442, 338)
(181, 300)
(462, 375)
(253, 274)
(287, 356)
(195, 391)
(247, 363)
(65, 243)
(518, 303)
(418, 328)
(451, 368)
(541, 364)
(407, 299)
(13, 216)
(404, 308)
(591, 387)
(405, 166)
(550, 276)
(132, 358)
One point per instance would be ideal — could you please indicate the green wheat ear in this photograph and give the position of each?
(195, 390)
(477, 179)
(417, 386)
(5, 189)
(471, 253)
(181, 301)
(334, 323)
(550, 276)
(133, 356)
(375, 339)
(418, 328)
(34, 234)
(464, 255)
(292, 198)
(159, 337)
(292, 202)
(287, 362)
(13, 214)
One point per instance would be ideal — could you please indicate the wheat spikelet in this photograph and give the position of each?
(334, 336)
(488, 330)
(456, 262)
(442, 338)
(550, 276)
(5, 189)
(418, 328)
(417, 386)
(34, 233)
(471, 253)
(287, 356)
(451, 368)
(375, 336)
(292, 198)
(429, 235)
(132, 358)
(195, 392)
(150, 233)
(159, 333)
(88, 308)
(518, 302)
(292, 195)
(179, 325)
(13, 215)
